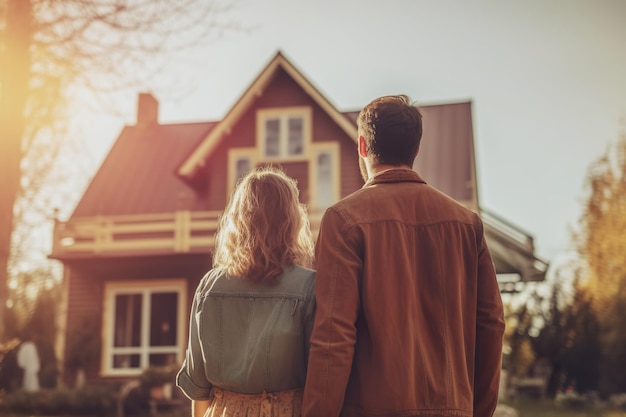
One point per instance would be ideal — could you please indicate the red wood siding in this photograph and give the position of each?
(283, 91)
(217, 172)
(350, 176)
(300, 172)
(84, 316)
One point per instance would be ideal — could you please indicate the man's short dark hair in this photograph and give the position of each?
(392, 129)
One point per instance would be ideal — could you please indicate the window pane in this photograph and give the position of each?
(163, 359)
(242, 166)
(127, 320)
(125, 361)
(163, 319)
(296, 136)
(324, 180)
(272, 137)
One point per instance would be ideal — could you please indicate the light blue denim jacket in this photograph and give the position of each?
(249, 337)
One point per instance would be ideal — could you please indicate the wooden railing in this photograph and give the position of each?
(178, 232)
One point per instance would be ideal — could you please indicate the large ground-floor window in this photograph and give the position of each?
(144, 325)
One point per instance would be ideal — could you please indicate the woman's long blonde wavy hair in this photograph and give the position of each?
(264, 228)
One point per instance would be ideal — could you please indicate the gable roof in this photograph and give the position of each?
(138, 176)
(446, 158)
(197, 159)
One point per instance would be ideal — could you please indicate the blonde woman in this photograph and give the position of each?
(252, 313)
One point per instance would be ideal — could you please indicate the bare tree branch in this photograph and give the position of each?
(48, 48)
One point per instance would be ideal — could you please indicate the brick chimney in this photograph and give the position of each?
(147, 110)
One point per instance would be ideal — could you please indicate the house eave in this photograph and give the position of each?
(512, 249)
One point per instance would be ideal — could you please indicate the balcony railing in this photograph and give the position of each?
(178, 232)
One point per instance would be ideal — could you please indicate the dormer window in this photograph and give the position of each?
(283, 133)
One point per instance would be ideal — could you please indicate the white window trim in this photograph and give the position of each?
(233, 155)
(316, 148)
(145, 287)
(284, 113)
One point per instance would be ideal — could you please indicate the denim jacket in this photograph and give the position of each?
(249, 337)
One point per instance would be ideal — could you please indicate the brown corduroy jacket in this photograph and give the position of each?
(409, 317)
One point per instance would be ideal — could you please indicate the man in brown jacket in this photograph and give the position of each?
(409, 317)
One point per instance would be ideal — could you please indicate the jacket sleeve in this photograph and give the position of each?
(309, 317)
(489, 333)
(191, 378)
(339, 267)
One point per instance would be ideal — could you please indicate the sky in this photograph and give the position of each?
(546, 79)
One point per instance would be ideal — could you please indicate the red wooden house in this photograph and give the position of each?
(140, 238)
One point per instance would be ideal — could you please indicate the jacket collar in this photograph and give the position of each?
(394, 175)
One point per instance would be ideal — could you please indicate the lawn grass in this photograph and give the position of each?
(548, 408)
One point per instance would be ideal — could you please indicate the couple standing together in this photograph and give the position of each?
(402, 315)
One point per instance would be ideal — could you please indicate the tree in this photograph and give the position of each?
(16, 40)
(582, 355)
(41, 328)
(603, 227)
(569, 340)
(520, 320)
(49, 49)
(556, 320)
(601, 243)
(555, 335)
(582, 333)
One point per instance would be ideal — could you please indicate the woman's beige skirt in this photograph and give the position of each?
(275, 404)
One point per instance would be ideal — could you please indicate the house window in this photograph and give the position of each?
(240, 162)
(243, 165)
(324, 179)
(283, 133)
(295, 142)
(324, 175)
(272, 137)
(144, 324)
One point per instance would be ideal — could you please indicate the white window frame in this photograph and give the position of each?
(316, 149)
(234, 155)
(145, 288)
(284, 114)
